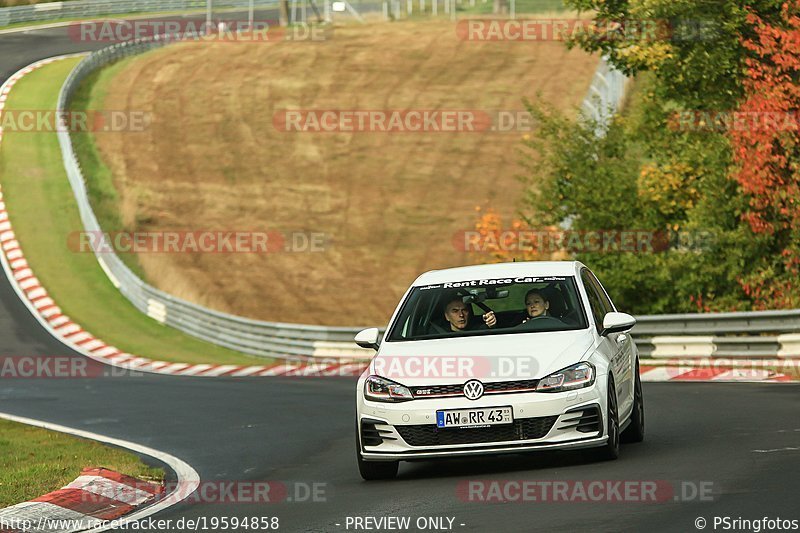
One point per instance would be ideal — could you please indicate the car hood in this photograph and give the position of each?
(486, 357)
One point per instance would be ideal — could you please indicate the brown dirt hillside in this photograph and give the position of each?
(390, 203)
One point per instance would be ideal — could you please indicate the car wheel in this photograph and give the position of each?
(375, 470)
(610, 449)
(635, 430)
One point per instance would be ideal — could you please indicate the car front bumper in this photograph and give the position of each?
(564, 419)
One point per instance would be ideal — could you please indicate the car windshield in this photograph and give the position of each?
(519, 305)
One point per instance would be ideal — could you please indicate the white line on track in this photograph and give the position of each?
(188, 478)
(786, 449)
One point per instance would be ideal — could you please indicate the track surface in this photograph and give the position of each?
(301, 430)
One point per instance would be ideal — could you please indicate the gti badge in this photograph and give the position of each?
(473, 389)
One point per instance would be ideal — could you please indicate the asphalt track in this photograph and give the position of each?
(743, 440)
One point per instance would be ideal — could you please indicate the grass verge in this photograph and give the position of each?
(387, 204)
(35, 461)
(43, 212)
(99, 181)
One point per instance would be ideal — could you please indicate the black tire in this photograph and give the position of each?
(635, 430)
(375, 470)
(610, 450)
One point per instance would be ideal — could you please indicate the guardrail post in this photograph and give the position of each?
(789, 345)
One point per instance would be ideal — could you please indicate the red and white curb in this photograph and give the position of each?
(98, 495)
(710, 373)
(73, 335)
(67, 331)
(186, 477)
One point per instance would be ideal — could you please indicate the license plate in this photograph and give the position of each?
(465, 418)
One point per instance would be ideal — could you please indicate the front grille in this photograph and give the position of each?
(437, 390)
(521, 429)
(497, 387)
(584, 419)
(510, 386)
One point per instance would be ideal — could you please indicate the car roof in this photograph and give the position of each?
(501, 270)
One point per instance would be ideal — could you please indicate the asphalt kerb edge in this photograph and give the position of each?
(49, 315)
(187, 477)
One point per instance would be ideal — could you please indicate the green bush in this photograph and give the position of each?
(643, 174)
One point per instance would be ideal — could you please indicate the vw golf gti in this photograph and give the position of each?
(502, 358)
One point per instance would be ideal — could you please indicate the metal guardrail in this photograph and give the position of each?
(237, 333)
(738, 323)
(271, 339)
(85, 9)
(605, 95)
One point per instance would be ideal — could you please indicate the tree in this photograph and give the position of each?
(739, 185)
(643, 176)
(767, 152)
(695, 49)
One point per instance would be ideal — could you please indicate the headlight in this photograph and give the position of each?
(573, 377)
(382, 390)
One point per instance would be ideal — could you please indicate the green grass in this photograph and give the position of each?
(43, 212)
(100, 186)
(35, 461)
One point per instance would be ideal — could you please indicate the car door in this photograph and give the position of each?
(611, 345)
(624, 351)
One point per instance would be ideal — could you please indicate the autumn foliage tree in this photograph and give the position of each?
(739, 184)
(767, 153)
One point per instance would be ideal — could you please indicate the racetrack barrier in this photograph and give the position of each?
(759, 334)
(267, 339)
(85, 9)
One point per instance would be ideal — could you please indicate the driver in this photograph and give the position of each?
(536, 305)
(459, 315)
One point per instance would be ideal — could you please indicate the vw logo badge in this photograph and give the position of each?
(473, 389)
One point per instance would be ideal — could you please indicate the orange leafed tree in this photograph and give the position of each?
(516, 242)
(767, 152)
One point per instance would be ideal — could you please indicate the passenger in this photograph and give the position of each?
(536, 305)
(459, 315)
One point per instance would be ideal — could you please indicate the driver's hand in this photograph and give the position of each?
(490, 319)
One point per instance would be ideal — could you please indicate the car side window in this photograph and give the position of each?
(604, 299)
(595, 303)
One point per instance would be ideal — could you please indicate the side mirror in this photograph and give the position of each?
(615, 322)
(368, 338)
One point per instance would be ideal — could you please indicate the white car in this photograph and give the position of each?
(501, 358)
